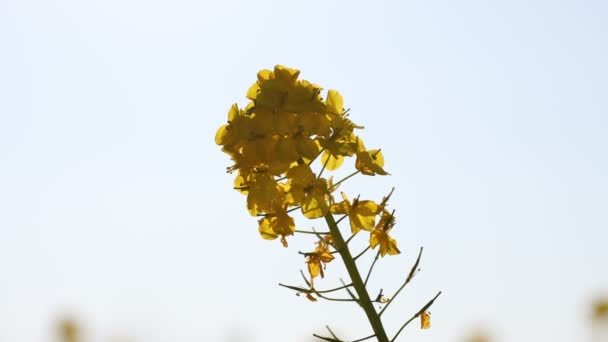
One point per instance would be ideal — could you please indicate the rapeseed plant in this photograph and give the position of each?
(273, 142)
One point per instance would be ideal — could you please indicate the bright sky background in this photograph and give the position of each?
(115, 207)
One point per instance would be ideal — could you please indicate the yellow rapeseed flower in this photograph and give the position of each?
(369, 162)
(361, 214)
(277, 224)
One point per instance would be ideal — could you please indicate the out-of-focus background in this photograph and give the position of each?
(116, 212)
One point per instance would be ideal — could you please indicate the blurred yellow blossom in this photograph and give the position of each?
(600, 309)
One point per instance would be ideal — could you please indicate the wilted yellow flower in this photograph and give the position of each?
(425, 320)
(310, 297)
(316, 260)
(379, 235)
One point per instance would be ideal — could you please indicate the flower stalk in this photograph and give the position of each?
(353, 272)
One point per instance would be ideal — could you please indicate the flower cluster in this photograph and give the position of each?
(287, 128)
(273, 141)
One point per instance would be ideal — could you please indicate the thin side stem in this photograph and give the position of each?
(326, 338)
(350, 293)
(364, 338)
(309, 232)
(424, 308)
(335, 186)
(351, 237)
(369, 273)
(409, 278)
(303, 290)
(363, 252)
(331, 332)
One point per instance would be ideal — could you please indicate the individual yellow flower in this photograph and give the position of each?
(235, 131)
(308, 191)
(277, 224)
(336, 148)
(316, 203)
(425, 320)
(316, 260)
(379, 235)
(301, 180)
(263, 193)
(369, 162)
(361, 214)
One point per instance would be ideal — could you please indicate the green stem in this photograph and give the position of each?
(357, 281)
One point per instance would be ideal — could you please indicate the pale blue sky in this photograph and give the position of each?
(114, 204)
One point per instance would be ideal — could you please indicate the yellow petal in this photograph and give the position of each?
(392, 247)
(285, 74)
(307, 147)
(373, 239)
(301, 174)
(326, 257)
(358, 222)
(314, 266)
(314, 207)
(240, 185)
(265, 75)
(283, 224)
(253, 91)
(330, 161)
(287, 149)
(265, 229)
(370, 163)
(334, 102)
(233, 112)
(340, 208)
(221, 135)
